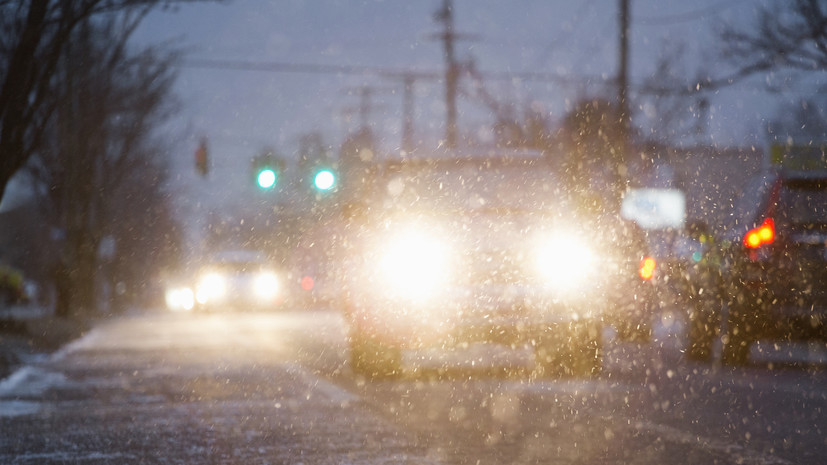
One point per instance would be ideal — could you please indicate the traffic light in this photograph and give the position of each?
(324, 179)
(266, 178)
(201, 161)
(267, 169)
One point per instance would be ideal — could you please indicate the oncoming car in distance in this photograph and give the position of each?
(488, 249)
(237, 280)
(179, 298)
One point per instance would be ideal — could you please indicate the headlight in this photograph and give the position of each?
(266, 285)
(212, 286)
(178, 299)
(565, 262)
(414, 265)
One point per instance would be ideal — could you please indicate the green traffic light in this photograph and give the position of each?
(266, 178)
(324, 180)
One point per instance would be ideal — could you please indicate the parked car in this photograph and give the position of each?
(456, 250)
(779, 262)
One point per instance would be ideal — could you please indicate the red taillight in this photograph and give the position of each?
(762, 235)
(647, 268)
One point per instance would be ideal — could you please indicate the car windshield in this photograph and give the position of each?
(469, 184)
(460, 232)
(235, 267)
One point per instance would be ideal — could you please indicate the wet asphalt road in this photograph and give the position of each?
(277, 389)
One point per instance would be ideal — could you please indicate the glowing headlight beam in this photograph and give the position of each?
(180, 299)
(266, 285)
(414, 265)
(211, 286)
(565, 262)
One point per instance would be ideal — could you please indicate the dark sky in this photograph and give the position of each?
(242, 112)
(577, 40)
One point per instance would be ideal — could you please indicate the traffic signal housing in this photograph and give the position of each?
(202, 165)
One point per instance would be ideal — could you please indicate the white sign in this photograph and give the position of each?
(655, 208)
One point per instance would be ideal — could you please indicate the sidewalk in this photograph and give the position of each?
(153, 389)
(27, 333)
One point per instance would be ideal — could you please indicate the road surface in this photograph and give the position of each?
(277, 389)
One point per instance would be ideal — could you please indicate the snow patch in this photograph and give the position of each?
(30, 381)
(328, 390)
(16, 408)
(86, 342)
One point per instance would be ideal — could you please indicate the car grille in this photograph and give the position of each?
(496, 267)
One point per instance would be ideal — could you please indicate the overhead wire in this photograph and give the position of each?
(380, 71)
(694, 15)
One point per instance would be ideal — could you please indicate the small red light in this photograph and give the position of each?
(308, 283)
(762, 235)
(647, 268)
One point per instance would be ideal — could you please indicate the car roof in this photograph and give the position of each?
(238, 256)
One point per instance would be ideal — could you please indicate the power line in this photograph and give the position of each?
(307, 68)
(387, 72)
(701, 13)
(425, 74)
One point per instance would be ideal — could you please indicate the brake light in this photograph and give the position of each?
(762, 235)
(647, 268)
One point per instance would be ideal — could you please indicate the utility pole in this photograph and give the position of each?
(408, 80)
(623, 80)
(445, 15)
(365, 106)
(407, 113)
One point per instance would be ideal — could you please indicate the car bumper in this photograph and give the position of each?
(505, 314)
(239, 301)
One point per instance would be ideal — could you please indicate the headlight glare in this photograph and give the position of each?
(266, 285)
(414, 265)
(211, 286)
(565, 262)
(178, 299)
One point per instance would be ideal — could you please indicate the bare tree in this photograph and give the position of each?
(591, 138)
(788, 39)
(788, 35)
(97, 166)
(146, 234)
(34, 35)
(802, 122)
(673, 112)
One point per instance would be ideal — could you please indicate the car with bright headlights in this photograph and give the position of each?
(453, 250)
(237, 280)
